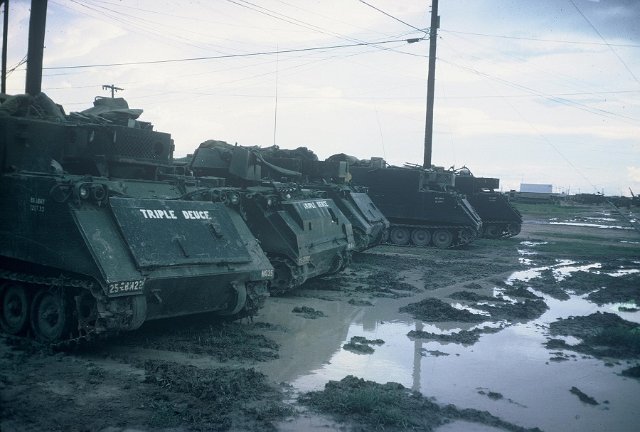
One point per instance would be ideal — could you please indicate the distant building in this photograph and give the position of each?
(536, 188)
(533, 193)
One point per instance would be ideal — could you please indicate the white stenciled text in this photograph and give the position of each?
(316, 204)
(171, 214)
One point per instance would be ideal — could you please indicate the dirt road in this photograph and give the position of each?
(537, 331)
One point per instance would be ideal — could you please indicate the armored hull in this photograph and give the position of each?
(303, 232)
(418, 215)
(499, 218)
(93, 240)
(370, 226)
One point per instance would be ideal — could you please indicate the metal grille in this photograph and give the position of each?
(141, 144)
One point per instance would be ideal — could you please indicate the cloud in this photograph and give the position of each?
(633, 174)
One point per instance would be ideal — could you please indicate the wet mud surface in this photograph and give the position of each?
(537, 332)
(367, 405)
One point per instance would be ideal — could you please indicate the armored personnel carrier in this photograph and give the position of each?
(500, 219)
(416, 201)
(303, 232)
(98, 233)
(370, 226)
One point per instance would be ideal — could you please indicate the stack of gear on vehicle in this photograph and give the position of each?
(370, 226)
(303, 232)
(500, 218)
(98, 234)
(422, 209)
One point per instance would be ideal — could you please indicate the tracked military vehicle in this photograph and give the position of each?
(303, 232)
(500, 219)
(416, 201)
(370, 226)
(99, 234)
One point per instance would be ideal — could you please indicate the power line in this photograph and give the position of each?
(225, 56)
(604, 40)
(559, 100)
(291, 20)
(565, 80)
(139, 25)
(392, 17)
(539, 40)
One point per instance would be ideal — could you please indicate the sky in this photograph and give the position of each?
(543, 91)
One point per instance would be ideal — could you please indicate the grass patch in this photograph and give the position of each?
(308, 312)
(550, 210)
(577, 250)
(435, 310)
(222, 340)
(212, 399)
(366, 405)
(602, 334)
(632, 372)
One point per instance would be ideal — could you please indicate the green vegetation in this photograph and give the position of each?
(212, 399)
(550, 210)
(366, 405)
(435, 310)
(222, 340)
(632, 372)
(578, 250)
(583, 396)
(602, 334)
(361, 345)
(308, 312)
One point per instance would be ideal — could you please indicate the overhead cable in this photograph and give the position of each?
(605, 41)
(539, 40)
(225, 56)
(426, 31)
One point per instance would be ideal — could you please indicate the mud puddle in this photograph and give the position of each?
(488, 349)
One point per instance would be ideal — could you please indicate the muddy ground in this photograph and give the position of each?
(378, 347)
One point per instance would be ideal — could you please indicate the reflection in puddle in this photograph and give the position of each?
(513, 362)
(602, 219)
(532, 273)
(527, 252)
(561, 273)
(460, 306)
(532, 243)
(623, 272)
(591, 225)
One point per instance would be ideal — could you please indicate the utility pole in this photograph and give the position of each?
(3, 84)
(428, 131)
(37, 24)
(111, 87)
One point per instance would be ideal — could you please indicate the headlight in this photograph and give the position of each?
(99, 192)
(83, 191)
(234, 198)
(217, 196)
(269, 202)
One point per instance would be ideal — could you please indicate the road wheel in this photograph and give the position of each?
(238, 299)
(492, 231)
(442, 239)
(14, 301)
(282, 278)
(361, 239)
(514, 229)
(51, 317)
(466, 236)
(399, 236)
(420, 237)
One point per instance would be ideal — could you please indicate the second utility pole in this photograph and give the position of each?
(428, 130)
